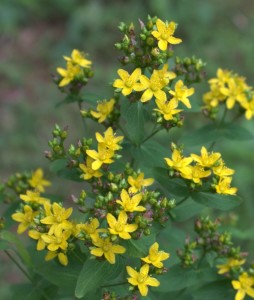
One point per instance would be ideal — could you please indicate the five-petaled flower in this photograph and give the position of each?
(128, 82)
(104, 109)
(25, 219)
(164, 34)
(37, 181)
(181, 93)
(120, 226)
(130, 204)
(244, 286)
(106, 248)
(155, 256)
(141, 279)
(78, 58)
(138, 182)
(230, 264)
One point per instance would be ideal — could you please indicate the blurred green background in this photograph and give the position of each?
(35, 34)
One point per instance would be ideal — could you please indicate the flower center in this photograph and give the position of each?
(141, 278)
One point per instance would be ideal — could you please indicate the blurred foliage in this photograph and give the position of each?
(35, 34)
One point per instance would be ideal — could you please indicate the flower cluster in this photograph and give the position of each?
(229, 89)
(204, 167)
(77, 72)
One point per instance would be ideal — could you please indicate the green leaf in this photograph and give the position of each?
(139, 248)
(233, 131)
(21, 250)
(94, 273)
(187, 210)
(218, 201)
(179, 278)
(172, 186)
(133, 114)
(216, 290)
(90, 98)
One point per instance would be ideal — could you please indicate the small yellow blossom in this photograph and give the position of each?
(153, 86)
(139, 182)
(37, 181)
(244, 286)
(155, 256)
(103, 156)
(206, 159)
(62, 258)
(167, 108)
(36, 235)
(233, 92)
(223, 187)
(57, 216)
(164, 34)
(89, 172)
(181, 93)
(249, 107)
(120, 226)
(197, 172)
(78, 58)
(130, 204)
(128, 82)
(223, 77)
(141, 279)
(69, 74)
(230, 264)
(165, 75)
(106, 248)
(33, 197)
(221, 170)
(104, 109)
(109, 140)
(57, 241)
(179, 163)
(90, 228)
(25, 219)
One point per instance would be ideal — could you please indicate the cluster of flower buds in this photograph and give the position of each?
(57, 144)
(208, 239)
(191, 68)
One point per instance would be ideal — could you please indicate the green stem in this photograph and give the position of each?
(182, 201)
(152, 134)
(114, 284)
(18, 265)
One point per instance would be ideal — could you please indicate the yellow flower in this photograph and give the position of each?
(155, 256)
(244, 285)
(221, 170)
(130, 204)
(106, 248)
(152, 86)
(128, 82)
(164, 34)
(57, 218)
(230, 264)
(249, 106)
(36, 235)
(78, 58)
(139, 182)
(179, 163)
(181, 93)
(197, 172)
(103, 156)
(120, 226)
(37, 181)
(88, 170)
(63, 259)
(206, 159)
(109, 140)
(25, 219)
(223, 77)
(141, 279)
(33, 197)
(104, 109)
(69, 74)
(223, 187)
(165, 75)
(57, 241)
(234, 92)
(90, 228)
(167, 108)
